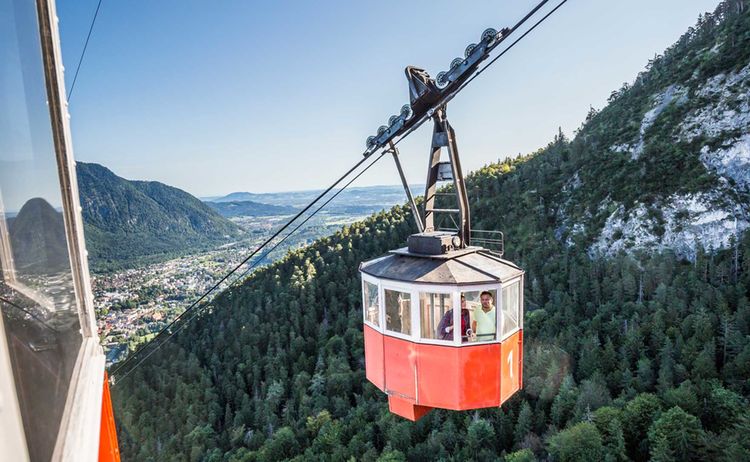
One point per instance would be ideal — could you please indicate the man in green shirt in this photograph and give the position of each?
(485, 320)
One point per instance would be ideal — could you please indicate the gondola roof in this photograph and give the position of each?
(472, 265)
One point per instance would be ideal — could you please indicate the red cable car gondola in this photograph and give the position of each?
(408, 353)
(443, 319)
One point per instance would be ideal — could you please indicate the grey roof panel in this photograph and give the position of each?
(462, 269)
(502, 269)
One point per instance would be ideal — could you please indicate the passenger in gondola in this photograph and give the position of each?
(445, 327)
(484, 321)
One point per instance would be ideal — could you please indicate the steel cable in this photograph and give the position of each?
(196, 304)
(83, 53)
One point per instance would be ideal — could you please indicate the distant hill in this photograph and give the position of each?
(363, 195)
(354, 201)
(37, 235)
(128, 221)
(235, 197)
(250, 209)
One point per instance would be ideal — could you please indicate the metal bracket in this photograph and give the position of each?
(443, 136)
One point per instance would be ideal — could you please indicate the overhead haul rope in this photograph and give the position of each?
(260, 259)
(85, 46)
(544, 18)
(448, 97)
(195, 305)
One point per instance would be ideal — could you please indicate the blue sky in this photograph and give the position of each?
(222, 96)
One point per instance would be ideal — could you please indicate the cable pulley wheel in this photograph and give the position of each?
(489, 35)
(442, 80)
(406, 111)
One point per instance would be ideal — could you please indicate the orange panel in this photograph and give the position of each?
(438, 369)
(511, 366)
(480, 380)
(520, 359)
(406, 408)
(109, 451)
(400, 367)
(374, 357)
(418, 377)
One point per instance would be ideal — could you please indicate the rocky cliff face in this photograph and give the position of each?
(713, 218)
(673, 152)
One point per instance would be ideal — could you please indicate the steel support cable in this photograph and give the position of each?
(260, 259)
(243, 262)
(506, 49)
(440, 103)
(85, 46)
(445, 99)
(114, 375)
(528, 15)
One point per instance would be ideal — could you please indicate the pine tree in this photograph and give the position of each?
(524, 423)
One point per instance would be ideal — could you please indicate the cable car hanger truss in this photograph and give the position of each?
(435, 94)
(443, 136)
(452, 83)
(428, 100)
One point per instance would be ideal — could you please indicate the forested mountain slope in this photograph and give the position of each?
(129, 220)
(666, 165)
(637, 355)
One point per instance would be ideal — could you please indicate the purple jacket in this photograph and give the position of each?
(447, 321)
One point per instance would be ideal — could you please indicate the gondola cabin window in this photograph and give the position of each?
(371, 303)
(482, 312)
(511, 308)
(436, 311)
(397, 311)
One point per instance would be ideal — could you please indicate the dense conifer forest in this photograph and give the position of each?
(641, 356)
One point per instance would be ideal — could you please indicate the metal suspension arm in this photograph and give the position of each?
(414, 210)
(443, 135)
(462, 197)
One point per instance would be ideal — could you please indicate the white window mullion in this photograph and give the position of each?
(381, 307)
(520, 303)
(499, 306)
(415, 314)
(457, 320)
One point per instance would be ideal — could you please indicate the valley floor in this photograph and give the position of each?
(134, 304)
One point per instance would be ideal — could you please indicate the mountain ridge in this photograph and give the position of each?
(249, 208)
(126, 221)
(246, 195)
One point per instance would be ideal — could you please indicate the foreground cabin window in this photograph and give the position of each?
(397, 311)
(480, 307)
(370, 303)
(37, 299)
(511, 305)
(436, 316)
